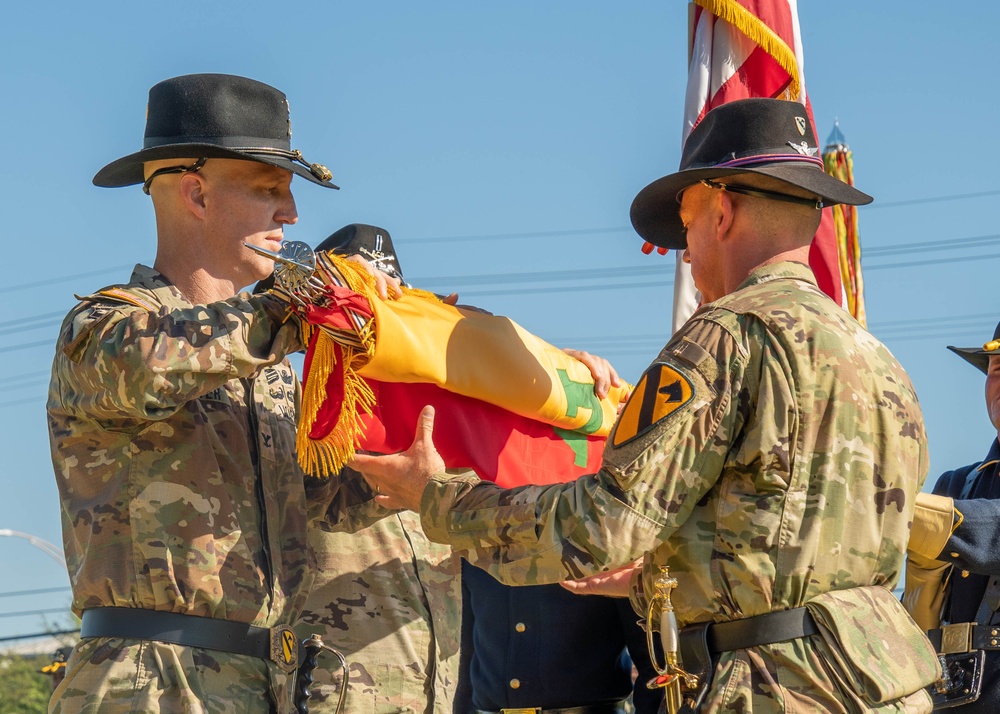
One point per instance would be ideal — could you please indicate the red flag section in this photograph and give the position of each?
(470, 433)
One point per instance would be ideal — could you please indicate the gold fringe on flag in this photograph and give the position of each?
(760, 34)
(340, 352)
(839, 163)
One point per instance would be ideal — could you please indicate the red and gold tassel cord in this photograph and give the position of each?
(839, 163)
(337, 348)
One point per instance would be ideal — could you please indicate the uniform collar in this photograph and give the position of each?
(783, 270)
(992, 457)
(151, 279)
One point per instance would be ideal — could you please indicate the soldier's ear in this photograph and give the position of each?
(192, 191)
(724, 217)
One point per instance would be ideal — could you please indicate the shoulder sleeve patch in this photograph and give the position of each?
(661, 391)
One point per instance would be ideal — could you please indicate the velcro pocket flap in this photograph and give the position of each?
(879, 650)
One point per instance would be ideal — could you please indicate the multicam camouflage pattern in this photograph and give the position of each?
(390, 600)
(790, 472)
(173, 435)
(115, 675)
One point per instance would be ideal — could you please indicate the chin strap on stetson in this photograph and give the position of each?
(193, 168)
(312, 648)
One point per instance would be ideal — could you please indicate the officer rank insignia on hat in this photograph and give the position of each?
(661, 392)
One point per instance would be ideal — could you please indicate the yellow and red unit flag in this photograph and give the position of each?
(507, 403)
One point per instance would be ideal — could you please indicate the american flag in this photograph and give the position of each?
(741, 49)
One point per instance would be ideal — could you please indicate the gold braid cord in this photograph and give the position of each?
(839, 163)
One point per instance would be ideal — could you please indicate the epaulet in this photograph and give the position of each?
(117, 294)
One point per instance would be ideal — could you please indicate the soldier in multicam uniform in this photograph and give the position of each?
(390, 600)
(386, 596)
(172, 414)
(769, 456)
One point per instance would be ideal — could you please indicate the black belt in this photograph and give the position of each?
(607, 708)
(965, 637)
(276, 644)
(760, 630)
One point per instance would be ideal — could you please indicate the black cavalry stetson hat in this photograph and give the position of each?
(979, 357)
(370, 242)
(214, 116)
(771, 137)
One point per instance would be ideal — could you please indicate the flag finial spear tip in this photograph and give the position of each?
(836, 138)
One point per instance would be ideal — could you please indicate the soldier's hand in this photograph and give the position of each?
(614, 583)
(399, 479)
(605, 376)
(384, 284)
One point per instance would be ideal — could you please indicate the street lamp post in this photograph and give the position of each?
(43, 545)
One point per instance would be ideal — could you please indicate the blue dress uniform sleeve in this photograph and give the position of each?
(972, 546)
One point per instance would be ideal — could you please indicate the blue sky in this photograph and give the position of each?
(493, 141)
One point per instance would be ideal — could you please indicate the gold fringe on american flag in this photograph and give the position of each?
(839, 163)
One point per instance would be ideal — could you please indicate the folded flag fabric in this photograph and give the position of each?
(472, 434)
(503, 397)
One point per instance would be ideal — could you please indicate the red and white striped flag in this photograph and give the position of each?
(741, 49)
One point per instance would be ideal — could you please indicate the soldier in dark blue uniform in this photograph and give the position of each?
(541, 647)
(953, 570)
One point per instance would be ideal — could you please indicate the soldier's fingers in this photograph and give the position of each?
(604, 585)
(384, 285)
(614, 583)
(450, 299)
(380, 286)
(600, 370)
(424, 437)
(393, 286)
(368, 465)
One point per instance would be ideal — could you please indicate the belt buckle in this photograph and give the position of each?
(522, 710)
(956, 638)
(284, 648)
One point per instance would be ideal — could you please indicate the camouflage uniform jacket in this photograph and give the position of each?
(172, 429)
(390, 601)
(769, 455)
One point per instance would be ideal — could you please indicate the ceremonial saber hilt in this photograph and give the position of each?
(294, 266)
(670, 675)
(313, 647)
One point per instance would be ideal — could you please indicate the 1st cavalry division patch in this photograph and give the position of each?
(661, 391)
